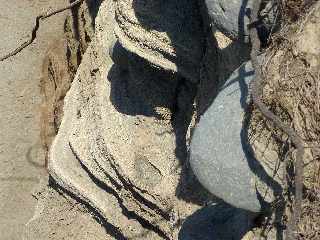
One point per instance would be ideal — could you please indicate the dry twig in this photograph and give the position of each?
(36, 27)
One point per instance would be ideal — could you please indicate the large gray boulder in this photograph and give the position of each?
(219, 153)
(231, 17)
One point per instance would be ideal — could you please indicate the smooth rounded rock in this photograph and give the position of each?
(219, 153)
(231, 17)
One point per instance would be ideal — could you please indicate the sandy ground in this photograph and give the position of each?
(21, 157)
(29, 209)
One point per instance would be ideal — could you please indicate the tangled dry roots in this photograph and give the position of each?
(294, 9)
(291, 72)
(296, 93)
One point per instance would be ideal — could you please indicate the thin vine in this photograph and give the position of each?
(35, 28)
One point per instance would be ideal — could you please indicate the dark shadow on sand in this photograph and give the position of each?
(220, 221)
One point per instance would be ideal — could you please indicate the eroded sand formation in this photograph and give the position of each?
(123, 143)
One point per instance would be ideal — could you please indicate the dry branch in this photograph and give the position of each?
(36, 27)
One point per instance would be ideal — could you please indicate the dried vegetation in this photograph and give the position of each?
(291, 71)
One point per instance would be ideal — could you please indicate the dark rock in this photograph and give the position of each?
(219, 156)
(231, 17)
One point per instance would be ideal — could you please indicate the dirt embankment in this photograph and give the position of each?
(291, 94)
(58, 216)
(291, 71)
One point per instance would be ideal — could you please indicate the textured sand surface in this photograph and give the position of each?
(21, 156)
